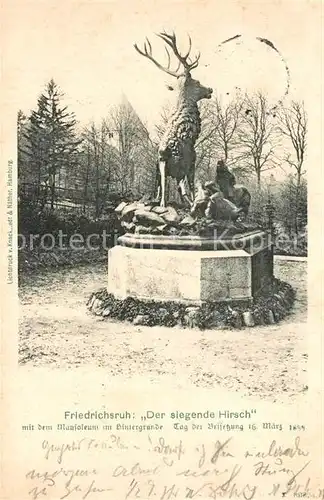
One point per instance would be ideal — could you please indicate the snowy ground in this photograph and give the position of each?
(57, 332)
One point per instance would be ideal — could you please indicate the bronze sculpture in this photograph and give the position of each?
(220, 201)
(177, 154)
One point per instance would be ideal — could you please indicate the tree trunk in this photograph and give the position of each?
(297, 196)
(52, 192)
(226, 153)
(97, 187)
(259, 178)
(38, 188)
(97, 193)
(85, 193)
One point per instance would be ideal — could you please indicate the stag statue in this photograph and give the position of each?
(177, 155)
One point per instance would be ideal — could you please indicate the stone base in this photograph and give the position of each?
(190, 276)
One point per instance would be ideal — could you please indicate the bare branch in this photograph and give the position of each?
(293, 125)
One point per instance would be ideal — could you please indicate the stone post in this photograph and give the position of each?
(269, 216)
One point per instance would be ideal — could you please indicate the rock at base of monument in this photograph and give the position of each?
(237, 320)
(138, 229)
(265, 309)
(91, 300)
(145, 217)
(159, 210)
(259, 316)
(188, 221)
(97, 307)
(106, 312)
(191, 318)
(217, 320)
(270, 318)
(248, 318)
(141, 319)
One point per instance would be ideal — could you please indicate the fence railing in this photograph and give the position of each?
(69, 199)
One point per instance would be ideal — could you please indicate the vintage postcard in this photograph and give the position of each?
(161, 232)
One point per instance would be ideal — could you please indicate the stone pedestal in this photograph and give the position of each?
(159, 268)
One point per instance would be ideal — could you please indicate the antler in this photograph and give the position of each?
(170, 40)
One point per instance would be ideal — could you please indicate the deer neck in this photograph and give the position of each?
(186, 106)
(185, 101)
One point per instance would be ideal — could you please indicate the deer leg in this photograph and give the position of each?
(158, 191)
(180, 194)
(162, 167)
(158, 194)
(191, 183)
(157, 187)
(191, 161)
(183, 190)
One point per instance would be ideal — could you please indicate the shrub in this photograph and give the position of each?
(32, 220)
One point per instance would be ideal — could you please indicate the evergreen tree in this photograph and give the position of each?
(21, 145)
(52, 141)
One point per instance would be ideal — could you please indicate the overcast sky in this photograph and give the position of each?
(87, 47)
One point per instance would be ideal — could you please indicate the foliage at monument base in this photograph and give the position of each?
(268, 308)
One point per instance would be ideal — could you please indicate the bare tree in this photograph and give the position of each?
(257, 136)
(133, 147)
(293, 126)
(96, 171)
(162, 124)
(226, 120)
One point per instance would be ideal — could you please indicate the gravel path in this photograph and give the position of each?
(57, 332)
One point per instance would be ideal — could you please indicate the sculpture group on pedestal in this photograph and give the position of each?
(219, 201)
(198, 254)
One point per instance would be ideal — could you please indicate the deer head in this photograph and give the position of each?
(191, 88)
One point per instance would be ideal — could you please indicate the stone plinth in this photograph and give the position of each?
(170, 273)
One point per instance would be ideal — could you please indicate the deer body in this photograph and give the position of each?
(177, 154)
